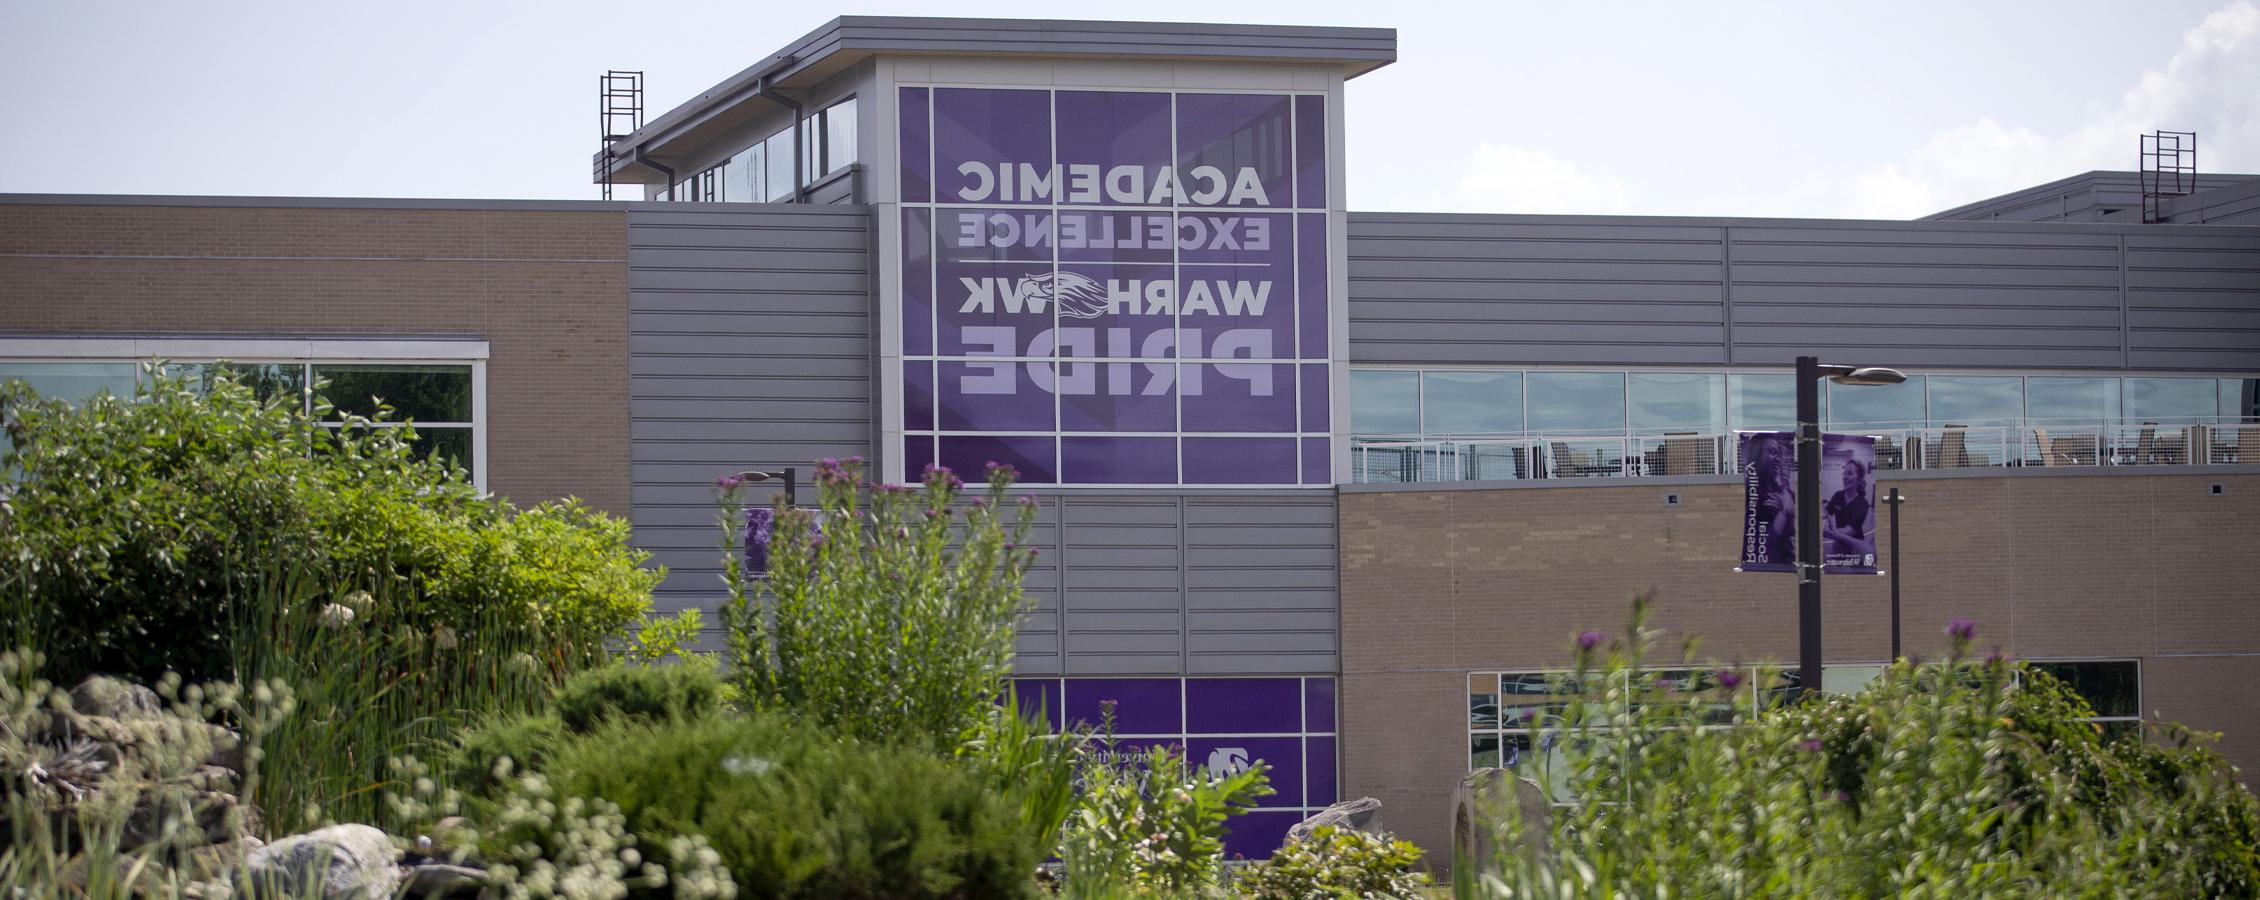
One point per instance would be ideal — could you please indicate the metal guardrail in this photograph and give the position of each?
(2032, 443)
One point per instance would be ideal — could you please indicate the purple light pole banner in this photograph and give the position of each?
(1102, 273)
(1769, 506)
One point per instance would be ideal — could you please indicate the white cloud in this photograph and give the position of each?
(2210, 86)
(1521, 180)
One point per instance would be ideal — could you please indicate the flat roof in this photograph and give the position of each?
(847, 40)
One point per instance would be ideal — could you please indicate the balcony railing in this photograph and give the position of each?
(2032, 443)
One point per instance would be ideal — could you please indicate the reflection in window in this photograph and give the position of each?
(2172, 401)
(839, 136)
(748, 178)
(779, 151)
(1976, 399)
(266, 380)
(1385, 403)
(1667, 402)
(2240, 400)
(2052, 400)
(1876, 406)
(71, 381)
(1576, 402)
(1762, 402)
(1471, 403)
(434, 394)
(2112, 688)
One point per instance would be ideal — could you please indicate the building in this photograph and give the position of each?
(1325, 488)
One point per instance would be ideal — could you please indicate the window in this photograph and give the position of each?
(1471, 403)
(2240, 400)
(779, 150)
(1576, 403)
(839, 136)
(439, 396)
(746, 181)
(2172, 401)
(2113, 688)
(1763, 402)
(1667, 402)
(1880, 407)
(1385, 403)
(2051, 400)
(1976, 399)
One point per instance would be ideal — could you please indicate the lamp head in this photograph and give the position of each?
(762, 476)
(1870, 375)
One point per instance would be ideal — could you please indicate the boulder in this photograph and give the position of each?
(1362, 814)
(111, 698)
(341, 862)
(442, 881)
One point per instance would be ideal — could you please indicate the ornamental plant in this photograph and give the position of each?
(141, 533)
(1336, 862)
(887, 611)
(1967, 777)
(1150, 823)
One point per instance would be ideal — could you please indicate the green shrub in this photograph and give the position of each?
(894, 621)
(1148, 821)
(795, 811)
(142, 529)
(646, 693)
(1963, 778)
(527, 741)
(1336, 862)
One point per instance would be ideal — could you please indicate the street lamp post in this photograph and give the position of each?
(1809, 373)
(1895, 498)
(786, 475)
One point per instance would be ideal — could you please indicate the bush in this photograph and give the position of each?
(894, 621)
(644, 693)
(1150, 822)
(473, 764)
(1336, 862)
(1961, 778)
(795, 811)
(144, 531)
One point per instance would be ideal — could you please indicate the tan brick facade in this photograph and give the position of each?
(546, 289)
(1439, 583)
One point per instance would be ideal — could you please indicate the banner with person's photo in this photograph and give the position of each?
(1768, 461)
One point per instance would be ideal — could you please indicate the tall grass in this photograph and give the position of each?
(372, 683)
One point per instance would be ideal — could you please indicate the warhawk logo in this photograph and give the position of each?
(1076, 296)
(1227, 761)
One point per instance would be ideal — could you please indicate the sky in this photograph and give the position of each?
(1828, 109)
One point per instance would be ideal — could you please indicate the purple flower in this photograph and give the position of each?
(1729, 679)
(1027, 501)
(1588, 640)
(1962, 629)
(728, 482)
(854, 460)
(1995, 658)
(1810, 745)
(1843, 796)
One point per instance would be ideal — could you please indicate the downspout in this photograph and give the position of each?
(647, 162)
(764, 88)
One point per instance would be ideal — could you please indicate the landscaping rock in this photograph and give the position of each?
(1362, 814)
(440, 881)
(343, 862)
(101, 695)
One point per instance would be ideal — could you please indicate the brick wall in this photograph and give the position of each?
(546, 289)
(1439, 583)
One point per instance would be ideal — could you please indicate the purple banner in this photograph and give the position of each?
(1100, 264)
(1769, 517)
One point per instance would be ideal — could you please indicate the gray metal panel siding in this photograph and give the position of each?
(2193, 302)
(1194, 584)
(2236, 205)
(2097, 196)
(1457, 289)
(1484, 290)
(750, 348)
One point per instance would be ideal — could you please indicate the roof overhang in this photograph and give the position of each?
(848, 40)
